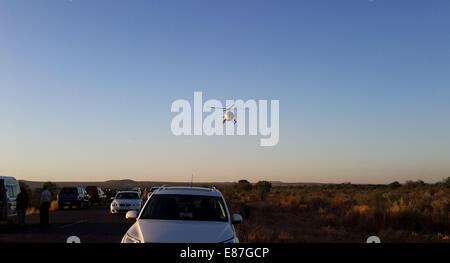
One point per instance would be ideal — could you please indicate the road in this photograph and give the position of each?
(92, 225)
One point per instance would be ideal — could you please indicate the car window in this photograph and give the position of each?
(127, 196)
(11, 190)
(185, 207)
(17, 189)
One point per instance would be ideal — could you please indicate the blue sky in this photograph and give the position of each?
(86, 89)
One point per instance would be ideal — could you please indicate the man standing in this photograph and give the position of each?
(46, 198)
(22, 205)
(144, 194)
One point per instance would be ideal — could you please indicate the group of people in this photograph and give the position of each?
(22, 201)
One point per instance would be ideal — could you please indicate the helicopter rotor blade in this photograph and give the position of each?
(230, 106)
(217, 108)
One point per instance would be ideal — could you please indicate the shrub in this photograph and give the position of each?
(243, 185)
(263, 188)
(394, 185)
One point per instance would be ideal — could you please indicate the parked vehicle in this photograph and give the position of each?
(126, 201)
(9, 189)
(183, 215)
(73, 196)
(97, 195)
(110, 194)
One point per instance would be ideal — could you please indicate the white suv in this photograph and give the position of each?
(183, 215)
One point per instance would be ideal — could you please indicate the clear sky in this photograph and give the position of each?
(86, 89)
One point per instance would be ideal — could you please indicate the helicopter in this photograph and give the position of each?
(228, 115)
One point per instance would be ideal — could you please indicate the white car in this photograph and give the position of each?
(183, 215)
(126, 201)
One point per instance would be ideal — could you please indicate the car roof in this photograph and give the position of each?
(187, 190)
(8, 178)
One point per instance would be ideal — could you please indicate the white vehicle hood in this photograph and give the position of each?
(176, 231)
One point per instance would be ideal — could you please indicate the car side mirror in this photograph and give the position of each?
(236, 219)
(131, 215)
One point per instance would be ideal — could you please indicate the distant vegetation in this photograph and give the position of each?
(412, 212)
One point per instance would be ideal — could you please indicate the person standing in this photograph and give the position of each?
(22, 205)
(144, 194)
(46, 198)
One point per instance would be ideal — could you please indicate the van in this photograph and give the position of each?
(9, 189)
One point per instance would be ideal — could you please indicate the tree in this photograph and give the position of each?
(447, 181)
(263, 188)
(394, 185)
(243, 185)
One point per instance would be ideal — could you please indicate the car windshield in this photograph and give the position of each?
(127, 196)
(185, 207)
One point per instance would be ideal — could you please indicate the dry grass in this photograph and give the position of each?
(414, 212)
(35, 210)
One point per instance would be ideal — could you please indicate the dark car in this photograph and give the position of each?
(110, 194)
(97, 195)
(73, 196)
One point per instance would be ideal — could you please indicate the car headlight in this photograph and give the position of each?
(129, 239)
(115, 204)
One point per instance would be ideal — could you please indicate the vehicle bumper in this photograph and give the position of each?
(69, 203)
(116, 210)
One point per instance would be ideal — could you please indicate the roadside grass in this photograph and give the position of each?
(413, 212)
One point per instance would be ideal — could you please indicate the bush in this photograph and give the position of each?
(243, 185)
(394, 185)
(263, 188)
(447, 182)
